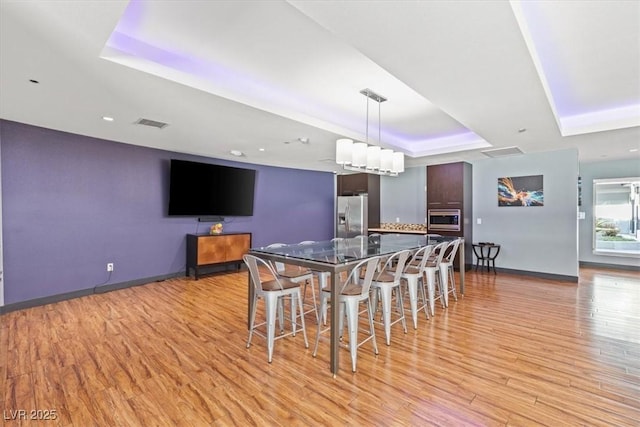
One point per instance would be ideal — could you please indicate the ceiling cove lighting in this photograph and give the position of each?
(362, 157)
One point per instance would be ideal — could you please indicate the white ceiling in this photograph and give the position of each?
(461, 77)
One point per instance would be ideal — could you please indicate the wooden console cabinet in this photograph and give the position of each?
(210, 250)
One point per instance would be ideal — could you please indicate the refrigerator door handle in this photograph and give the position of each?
(346, 219)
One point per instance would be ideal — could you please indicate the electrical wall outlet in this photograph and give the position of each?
(110, 266)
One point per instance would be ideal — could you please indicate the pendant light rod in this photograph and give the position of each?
(366, 131)
(361, 157)
(379, 99)
(379, 124)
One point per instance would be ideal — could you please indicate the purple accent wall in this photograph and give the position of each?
(72, 203)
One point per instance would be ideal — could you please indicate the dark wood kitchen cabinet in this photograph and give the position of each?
(363, 183)
(449, 187)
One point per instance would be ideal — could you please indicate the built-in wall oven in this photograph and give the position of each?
(443, 220)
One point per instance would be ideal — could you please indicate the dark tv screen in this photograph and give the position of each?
(202, 189)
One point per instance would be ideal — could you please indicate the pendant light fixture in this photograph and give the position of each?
(362, 157)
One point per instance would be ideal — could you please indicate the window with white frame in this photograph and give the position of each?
(615, 213)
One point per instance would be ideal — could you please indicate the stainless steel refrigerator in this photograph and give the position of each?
(352, 216)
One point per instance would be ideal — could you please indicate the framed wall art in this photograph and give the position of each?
(521, 191)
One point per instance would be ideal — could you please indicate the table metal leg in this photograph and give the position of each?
(251, 300)
(335, 330)
(461, 266)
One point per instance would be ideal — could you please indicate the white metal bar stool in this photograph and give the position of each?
(385, 282)
(297, 275)
(447, 273)
(352, 292)
(272, 291)
(414, 274)
(432, 272)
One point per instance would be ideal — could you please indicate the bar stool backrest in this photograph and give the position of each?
(419, 258)
(354, 278)
(395, 264)
(437, 254)
(450, 252)
(253, 264)
(278, 265)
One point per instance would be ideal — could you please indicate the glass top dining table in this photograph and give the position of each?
(336, 256)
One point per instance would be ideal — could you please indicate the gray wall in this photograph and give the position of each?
(535, 239)
(540, 239)
(404, 197)
(600, 170)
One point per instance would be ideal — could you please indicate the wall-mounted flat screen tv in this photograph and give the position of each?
(202, 189)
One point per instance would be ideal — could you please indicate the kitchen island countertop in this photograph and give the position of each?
(396, 230)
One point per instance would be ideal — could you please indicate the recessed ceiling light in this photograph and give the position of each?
(521, 130)
(236, 153)
(633, 150)
(260, 149)
(34, 81)
(304, 140)
(107, 118)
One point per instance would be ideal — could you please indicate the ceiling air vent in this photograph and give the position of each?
(500, 152)
(152, 123)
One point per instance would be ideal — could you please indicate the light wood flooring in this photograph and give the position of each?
(514, 351)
